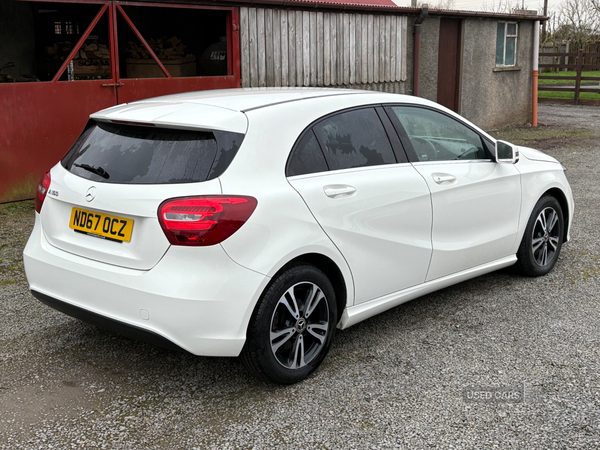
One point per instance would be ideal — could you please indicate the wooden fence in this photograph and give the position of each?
(314, 48)
(574, 61)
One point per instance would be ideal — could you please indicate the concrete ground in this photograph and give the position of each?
(415, 377)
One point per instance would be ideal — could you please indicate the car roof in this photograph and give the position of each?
(225, 109)
(252, 98)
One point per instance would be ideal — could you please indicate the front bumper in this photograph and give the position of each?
(197, 299)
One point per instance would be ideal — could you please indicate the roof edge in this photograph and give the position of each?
(316, 4)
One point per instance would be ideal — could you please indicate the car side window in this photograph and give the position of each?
(354, 138)
(437, 137)
(307, 157)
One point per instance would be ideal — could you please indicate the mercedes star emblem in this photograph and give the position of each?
(91, 194)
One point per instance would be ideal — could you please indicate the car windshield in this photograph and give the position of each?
(117, 153)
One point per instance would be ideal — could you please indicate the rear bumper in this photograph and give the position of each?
(196, 299)
(115, 326)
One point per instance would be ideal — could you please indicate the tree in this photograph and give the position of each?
(504, 6)
(578, 22)
(445, 4)
(441, 4)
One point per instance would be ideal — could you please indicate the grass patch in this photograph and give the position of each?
(571, 73)
(24, 189)
(527, 135)
(561, 94)
(24, 206)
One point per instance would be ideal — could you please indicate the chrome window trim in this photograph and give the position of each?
(349, 171)
(467, 161)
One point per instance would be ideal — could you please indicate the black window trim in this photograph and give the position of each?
(301, 136)
(397, 149)
(408, 147)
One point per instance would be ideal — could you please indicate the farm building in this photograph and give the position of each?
(62, 60)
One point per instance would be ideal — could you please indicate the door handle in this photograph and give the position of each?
(119, 84)
(339, 190)
(443, 178)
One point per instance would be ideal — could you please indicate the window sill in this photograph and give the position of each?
(506, 69)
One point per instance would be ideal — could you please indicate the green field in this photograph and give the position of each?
(571, 73)
(559, 94)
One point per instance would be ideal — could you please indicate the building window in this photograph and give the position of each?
(506, 44)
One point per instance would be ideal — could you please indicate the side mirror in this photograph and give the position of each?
(506, 152)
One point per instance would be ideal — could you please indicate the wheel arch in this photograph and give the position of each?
(330, 269)
(559, 195)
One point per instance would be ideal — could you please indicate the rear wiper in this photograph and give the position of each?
(97, 170)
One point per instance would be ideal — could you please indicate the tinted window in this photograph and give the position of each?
(307, 157)
(227, 146)
(113, 153)
(354, 139)
(437, 137)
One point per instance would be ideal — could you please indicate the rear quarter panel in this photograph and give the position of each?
(282, 227)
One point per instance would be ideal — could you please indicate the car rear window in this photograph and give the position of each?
(126, 154)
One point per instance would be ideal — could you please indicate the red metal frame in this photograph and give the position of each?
(233, 34)
(112, 40)
(131, 89)
(57, 111)
(77, 47)
(142, 40)
(174, 5)
(232, 25)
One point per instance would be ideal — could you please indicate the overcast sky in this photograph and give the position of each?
(477, 5)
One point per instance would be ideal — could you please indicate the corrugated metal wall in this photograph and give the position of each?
(310, 48)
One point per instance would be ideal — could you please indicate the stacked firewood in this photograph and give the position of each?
(59, 50)
(94, 51)
(165, 49)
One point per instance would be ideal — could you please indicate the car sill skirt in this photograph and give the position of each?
(362, 311)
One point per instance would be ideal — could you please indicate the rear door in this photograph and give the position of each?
(476, 201)
(370, 201)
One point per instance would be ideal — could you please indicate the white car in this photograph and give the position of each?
(255, 222)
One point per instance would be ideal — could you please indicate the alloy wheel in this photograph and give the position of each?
(546, 237)
(299, 325)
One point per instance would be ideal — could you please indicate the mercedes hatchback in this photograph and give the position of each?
(254, 223)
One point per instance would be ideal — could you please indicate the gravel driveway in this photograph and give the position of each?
(416, 377)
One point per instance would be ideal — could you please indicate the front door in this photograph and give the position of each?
(476, 201)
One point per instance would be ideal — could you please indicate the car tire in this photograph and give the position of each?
(542, 241)
(292, 326)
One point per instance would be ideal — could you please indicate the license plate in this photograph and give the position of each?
(100, 225)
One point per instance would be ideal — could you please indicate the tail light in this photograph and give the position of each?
(205, 220)
(42, 190)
